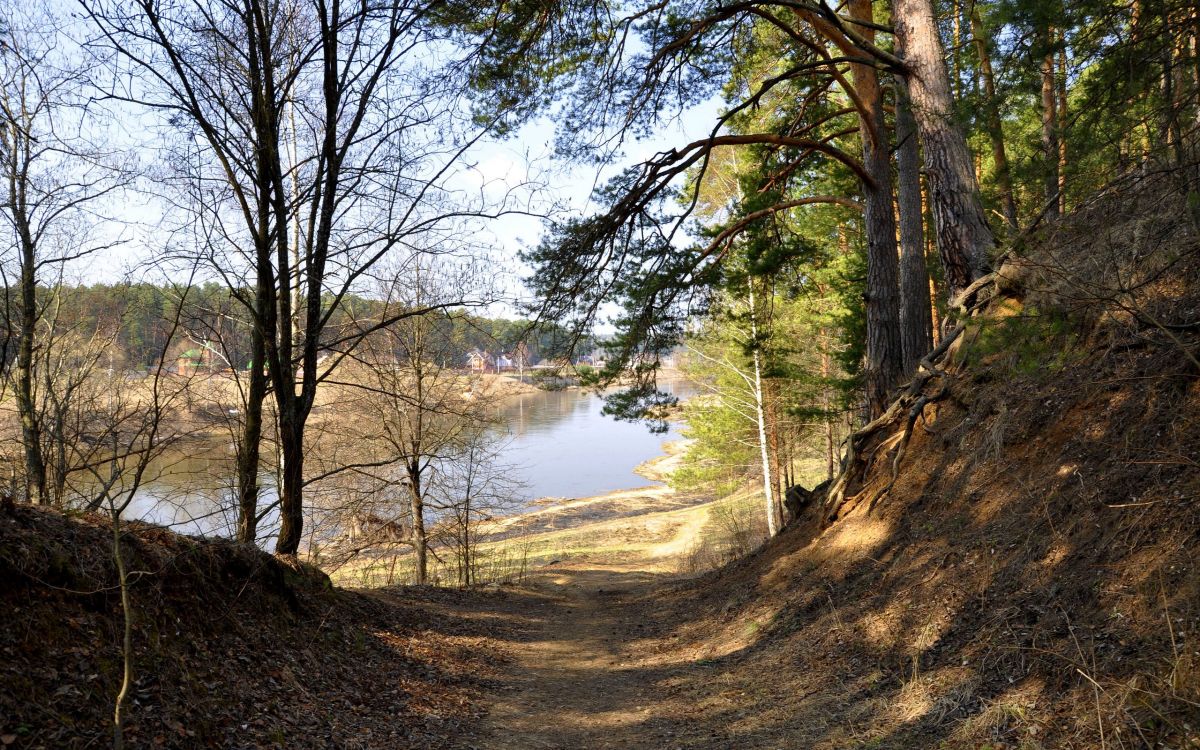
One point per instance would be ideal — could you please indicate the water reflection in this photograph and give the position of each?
(559, 445)
(192, 492)
(563, 447)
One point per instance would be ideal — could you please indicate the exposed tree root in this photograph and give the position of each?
(917, 411)
(911, 404)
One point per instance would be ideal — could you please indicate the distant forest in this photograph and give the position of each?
(138, 319)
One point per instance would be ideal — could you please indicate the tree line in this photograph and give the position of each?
(140, 316)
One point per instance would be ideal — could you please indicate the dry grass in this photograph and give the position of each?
(1029, 582)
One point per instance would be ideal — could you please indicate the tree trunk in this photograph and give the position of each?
(779, 485)
(884, 353)
(995, 129)
(1049, 130)
(1194, 51)
(930, 252)
(1061, 111)
(956, 52)
(291, 494)
(466, 543)
(761, 423)
(31, 427)
(420, 540)
(827, 403)
(56, 474)
(963, 238)
(916, 320)
(1171, 129)
(249, 452)
(17, 160)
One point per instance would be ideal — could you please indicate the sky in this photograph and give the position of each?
(142, 216)
(495, 166)
(529, 156)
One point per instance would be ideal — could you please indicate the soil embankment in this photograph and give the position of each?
(232, 648)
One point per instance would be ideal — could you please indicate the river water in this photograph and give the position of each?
(558, 445)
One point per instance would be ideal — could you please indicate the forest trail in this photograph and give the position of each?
(574, 677)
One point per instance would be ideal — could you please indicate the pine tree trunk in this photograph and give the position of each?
(930, 252)
(1171, 129)
(964, 240)
(995, 127)
(956, 51)
(1049, 131)
(780, 483)
(1061, 111)
(827, 404)
(885, 354)
(916, 320)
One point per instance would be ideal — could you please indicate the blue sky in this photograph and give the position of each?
(142, 216)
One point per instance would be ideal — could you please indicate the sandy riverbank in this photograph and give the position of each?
(653, 525)
(556, 513)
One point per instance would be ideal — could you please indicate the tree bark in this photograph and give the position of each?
(884, 354)
(964, 240)
(780, 483)
(420, 541)
(249, 451)
(995, 129)
(31, 427)
(291, 506)
(273, 299)
(1049, 130)
(916, 320)
(956, 52)
(1061, 111)
(827, 402)
(761, 423)
(24, 392)
(1171, 129)
(930, 252)
(265, 323)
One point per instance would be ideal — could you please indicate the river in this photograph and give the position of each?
(558, 445)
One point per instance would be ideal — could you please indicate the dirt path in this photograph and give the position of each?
(574, 680)
(588, 662)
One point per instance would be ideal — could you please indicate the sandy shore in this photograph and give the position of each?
(557, 514)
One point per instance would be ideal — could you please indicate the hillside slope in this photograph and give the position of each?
(1030, 580)
(233, 648)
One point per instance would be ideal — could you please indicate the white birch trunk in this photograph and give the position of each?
(760, 417)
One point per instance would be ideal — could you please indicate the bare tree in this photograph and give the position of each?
(473, 489)
(411, 413)
(332, 133)
(56, 179)
(129, 424)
